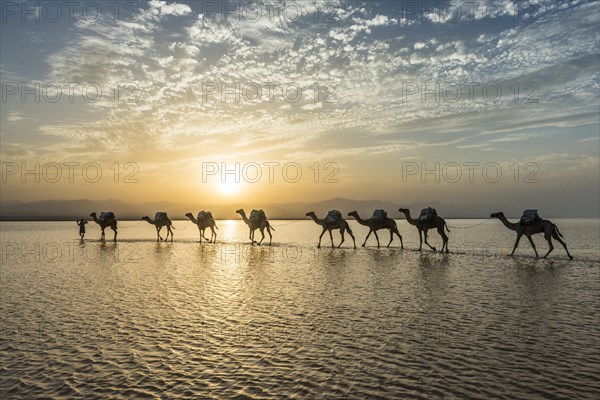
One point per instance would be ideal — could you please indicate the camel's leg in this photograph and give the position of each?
(158, 233)
(322, 233)
(420, 239)
(114, 237)
(550, 245)
(252, 236)
(353, 239)
(213, 235)
(171, 232)
(342, 234)
(262, 232)
(270, 236)
(102, 234)
(555, 236)
(534, 249)
(444, 239)
(367, 238)
(516, 243)
(200, 234)
(391, 237)
(376, 237)
(399, 237)
(331, 238)
(425, 237)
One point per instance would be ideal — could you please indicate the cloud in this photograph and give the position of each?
(14, 116)
(170, 51)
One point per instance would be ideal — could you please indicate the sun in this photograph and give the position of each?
(229, 187)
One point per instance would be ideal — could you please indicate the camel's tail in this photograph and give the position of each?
(448, 229)
(173, 226)
(216, 227)
(557, 231)
(270, 226)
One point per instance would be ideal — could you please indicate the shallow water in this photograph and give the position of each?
(231, 320)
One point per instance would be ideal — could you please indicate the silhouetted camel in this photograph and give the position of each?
(257, 224)
(202, 225)
(435, 222)
(340, 224)
(540, 226)
(164, 221)
(375, 225)
(110, 222)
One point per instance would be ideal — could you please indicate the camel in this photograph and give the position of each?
(340, 224)
(435, 222)
(541, 226)
(202, 225)
(110, 222)
(375, 225)
(165, 221)
(257, 224)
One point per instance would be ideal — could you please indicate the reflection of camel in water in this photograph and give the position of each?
(435, 222)
(255, 224)
(202, 225)
(110, 222)
(375, 225)
(164, 221)
(340, 224)
(540, 226)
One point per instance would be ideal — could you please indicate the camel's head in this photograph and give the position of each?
(240, 211)
(403, 210)
(310, 213)
(189, 215)
(146, 218)
(496, 215)
(93, 215)
(352, 213)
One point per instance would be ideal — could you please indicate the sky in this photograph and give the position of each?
(204, 102)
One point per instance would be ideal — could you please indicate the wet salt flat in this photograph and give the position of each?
(229, 320)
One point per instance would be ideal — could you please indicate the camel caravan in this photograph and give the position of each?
(529, 224)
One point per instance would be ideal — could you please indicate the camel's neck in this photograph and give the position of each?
(360, 220)
(95, 219)
(409, 218)
(148, 220)
(194, 220)
(317, 220)
(507, 223)
(246, 220)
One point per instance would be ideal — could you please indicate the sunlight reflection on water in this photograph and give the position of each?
(226, 320)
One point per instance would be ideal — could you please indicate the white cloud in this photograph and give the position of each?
(14, 116)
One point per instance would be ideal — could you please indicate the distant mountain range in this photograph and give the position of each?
(75, 209)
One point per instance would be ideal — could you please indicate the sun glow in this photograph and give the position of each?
(229, 188)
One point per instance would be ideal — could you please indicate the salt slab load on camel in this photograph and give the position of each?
(159, 216)
(258, 215)
(530, 216)
(204, 215)
(333, 217)
(427, 214)
(106, 215)
(379, 215)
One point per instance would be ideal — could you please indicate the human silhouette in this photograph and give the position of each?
(81, 223)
